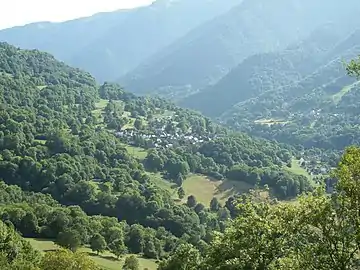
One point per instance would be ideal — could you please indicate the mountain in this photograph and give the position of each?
(110, 44)
(119, 161)
(63, 39)
(210, 51)
(319, 109)
(269, 71)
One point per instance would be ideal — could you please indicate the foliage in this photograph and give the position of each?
(69, 239)
(317, 232)
(67, 260)
(131, 263)
(98, 243)
(16, 253)
(306, 101)
(185, 257)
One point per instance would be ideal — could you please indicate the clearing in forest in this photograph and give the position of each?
(106, 260)
(338, 96)
(205, 188)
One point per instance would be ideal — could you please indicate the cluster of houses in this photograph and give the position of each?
(315, 168)
(159, 138)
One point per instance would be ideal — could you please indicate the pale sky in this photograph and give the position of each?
(20, 12)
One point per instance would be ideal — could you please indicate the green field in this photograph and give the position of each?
(162, 183)
(270, 122)
(106, 261)
(136, 152)
(99, 110)
(41, 87)
(205, 188)
(297, 169)
(338, 96)
(101, 104)
(43, 142)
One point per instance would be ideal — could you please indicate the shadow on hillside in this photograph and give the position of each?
(106, 257)
(229, 188)
(51, 250)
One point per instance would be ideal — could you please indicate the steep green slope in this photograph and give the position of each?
(319, 110)
(65, 141)
(207, 53)
(266, 72)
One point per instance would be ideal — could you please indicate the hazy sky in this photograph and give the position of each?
(19, 12)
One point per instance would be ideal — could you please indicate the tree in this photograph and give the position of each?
(16, 253)
(185, 257)
(353, 68)
(333, 237)
(131, 263)
(98, 243)
(181, 192)
(118, 248)
(135, 241)
(214, 204)
(319, 232)
(179, 180)
(69, 239)
(67, 260)
(29, 225)
(114, 233)
(150, 249)
(191, 201)
(138, 124)
(199, 207)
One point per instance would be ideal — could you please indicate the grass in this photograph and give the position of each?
(297, 169)
(202, 187)
(162, 183)
(41, 87)
(136, 152)
(99, 108)
(270, 122)
(338, 96)
(99, 111)
(43, 142)
(205, 188)
(106, 260)
(101, 104)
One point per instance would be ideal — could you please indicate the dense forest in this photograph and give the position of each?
(69, 177)
(318, 232)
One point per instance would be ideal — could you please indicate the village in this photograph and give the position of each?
(159, 138)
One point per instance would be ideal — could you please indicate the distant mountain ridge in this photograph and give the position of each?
(63, 39)
(270, 71)
(110, 44)
(320, 110)
(209, 52)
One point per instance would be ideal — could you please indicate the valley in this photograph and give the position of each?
(138, 139)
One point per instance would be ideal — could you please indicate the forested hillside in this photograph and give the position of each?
(65, 136)
(94, 177)
(111, 44)
(319, 110)
(270, 71)
(318, 232)
(210, 51)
